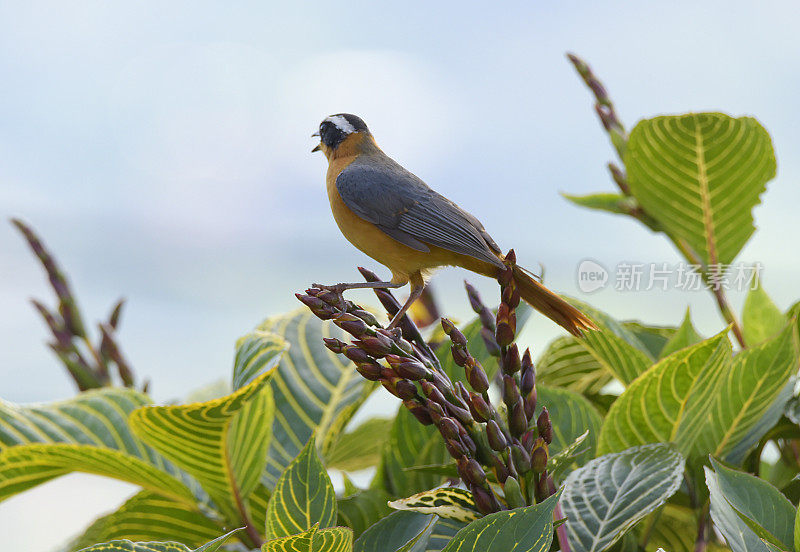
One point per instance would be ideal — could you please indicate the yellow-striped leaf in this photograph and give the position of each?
(334, 539)
(609, 495)
(684, 337)
(616, 348)
(761, 318)
(129, 546)
(674, 528)
(256, 352)
(316, 391)
(568, 364)
(362, 509)
(148, 516)
(654, 338)
(528, 529)
(360, 448)
(445, 502)
(443, 532)
(97, 418)
(700, 175)
(571, 416)
(227, 458)
(671, 402)
(303, 497)
(25, 466)
(400, 531)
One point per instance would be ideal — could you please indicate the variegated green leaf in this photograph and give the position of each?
(700, 175)
(654, 338)
(674, 528)
(571, 415)
(25, 466)
(256, 353)
(334, 539)
(558, 464)
(148, 516)
(362, 509)
(303, 497)
(568, 364)
(97, 418)
(528, 529)
(684, 337)
(613, 346)
(445, 502)
(671, 402)
(761, 318)
(225, 455)
(360, 448)
(411, 444)
(443, 532)
(128, 546)
(399, 531)
(316, 391)
(609, 495)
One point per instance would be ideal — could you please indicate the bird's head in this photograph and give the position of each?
(334, 130)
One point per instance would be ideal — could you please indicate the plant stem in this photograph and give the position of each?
(701, 543)
(561, 530)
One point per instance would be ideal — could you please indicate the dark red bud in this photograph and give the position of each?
(455, 450)
(527, 440)
(460, 354)
(433, 393)
(406, 390)
(357, 355)
(527, 362)
(370, 370)
(542, 491)
(530, 404)
(539, 456)
(500, 469)
(454, 333)
(351, 324)
(461, 414)
(517, 421)
(544, 426)
(504, 334)
(474, 298)
(511, 360)
(335, 345)
(377, 345)
(448, 428)
(490, 342)
(527, 380)
(479, 408)
(485, 503)
(497, 440)
(510, 391)
(435, 410)
(367, 317)
(477, 378)
(506, 276)
(419, 412)
(475, 472)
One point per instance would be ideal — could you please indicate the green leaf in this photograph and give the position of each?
(671, 402)
(528, 529)
(445, 502)
(684, 337)
(362, 509)
(747, 391)
(760, 505)
(303, 497)
(97, 418)
(616, 348)
(675, 529)
(796, 531)
(148, 516)
(652, 337)
(443, 532)
(609, 495)
(611, 203)
(558, 464)
(571, 416)
(761, 318)
(411, 444)
(334, 539)
(225, 455)
(568, 364)
(316, 391)
(399, 531)
(256, 353)
(360, 448)
(26, 466)
(128, 546)
(700, 175)
(739, 536)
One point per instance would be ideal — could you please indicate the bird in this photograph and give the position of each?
(394, 217)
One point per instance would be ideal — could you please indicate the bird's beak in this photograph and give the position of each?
(317, 148)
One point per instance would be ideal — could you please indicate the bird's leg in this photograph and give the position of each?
(416, 291)
(339, 289)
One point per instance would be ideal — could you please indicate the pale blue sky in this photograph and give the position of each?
(162, 151)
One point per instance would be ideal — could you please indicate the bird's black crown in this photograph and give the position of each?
(337, 127)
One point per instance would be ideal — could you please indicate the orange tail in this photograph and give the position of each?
(551, 305)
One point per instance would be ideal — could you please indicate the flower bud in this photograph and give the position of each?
(479, 408)
(394, 334)
(485, 502)
(530, 403)
(466, 439)
(477, 378)
(334, 345)
(497, 440)
(461, 414)
(542, 491)
(510, 296)
(506, 276)
(357, 355)
(490, 342)
(419, 412)
(511, 360)
(474, 298)
(527, 440)
(366, 316)
(406, 390)
(510, 391)
(454, 445)
(522, 460)
(460, 354)
(500, 469)
(352, 325)
(435, 411)
(513, 493)
(517, 421)
(448, 428)
(462, 392)
(370, 370)
(504, 334)
(544, 426)
(527, 380)
(377, 345)
(433, 393)
(454, 333)
(539, 456)
(474, 472)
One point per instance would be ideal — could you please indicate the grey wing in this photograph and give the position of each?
(406, 209)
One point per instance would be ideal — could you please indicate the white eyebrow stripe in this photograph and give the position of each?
(342, 124)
